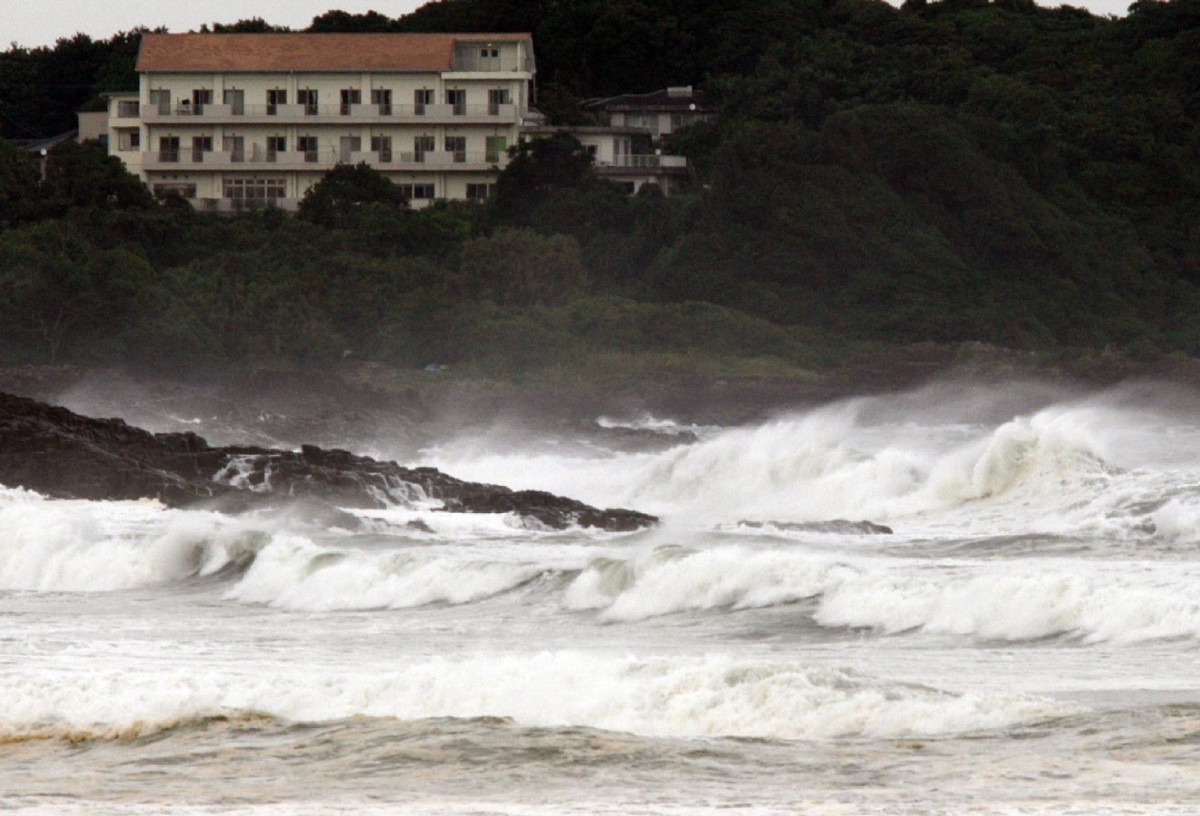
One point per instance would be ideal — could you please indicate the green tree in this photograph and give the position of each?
(57, 291)
(344, 190)
(19, 193)
(518, 267)
(84, 175)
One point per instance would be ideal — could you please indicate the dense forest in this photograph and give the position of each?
(945, 171)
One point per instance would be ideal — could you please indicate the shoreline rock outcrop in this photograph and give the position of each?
(65, 455)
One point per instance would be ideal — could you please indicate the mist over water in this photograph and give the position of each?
(1025, 639)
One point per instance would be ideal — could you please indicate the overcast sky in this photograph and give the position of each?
(32, 23)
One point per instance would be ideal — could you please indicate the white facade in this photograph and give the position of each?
(623, 156)
(660, 113)
(235, 138)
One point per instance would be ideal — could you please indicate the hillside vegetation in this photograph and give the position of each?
(954, 171)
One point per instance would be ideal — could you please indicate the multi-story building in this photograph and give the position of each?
(234, 120)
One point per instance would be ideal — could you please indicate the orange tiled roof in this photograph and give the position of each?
(304, 52)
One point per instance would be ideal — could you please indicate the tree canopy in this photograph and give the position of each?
(944, 171)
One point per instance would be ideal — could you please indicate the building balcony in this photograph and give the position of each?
(641, 164)
(257, 159)
(471, 63)
(380, 113)
(229, 206)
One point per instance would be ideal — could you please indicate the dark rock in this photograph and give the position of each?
(62, 454)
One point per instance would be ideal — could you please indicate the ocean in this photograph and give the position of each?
(1025, 640)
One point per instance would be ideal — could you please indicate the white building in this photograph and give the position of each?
(625, 156)
(237, 120)
(659, 113)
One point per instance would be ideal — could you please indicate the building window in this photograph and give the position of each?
(255, 188)
(383, 146)
(592, 151)
(275, 145)
(415, 192)
(275, 98)
(308, 146)
(181, 189)
(307, 98)
(200, 98)
(479, 192)
(235, 146)
(382, 99)
(497, 146)
(457, 146)
(236, 100)
(168, 148)
(128, 109)
(160, 98)
(421, 98)
(350, 96)
(349, 145)
(421, 146)
(458, 98)
(200, 146)
(496, 98)
(129, 139)
(489, 59)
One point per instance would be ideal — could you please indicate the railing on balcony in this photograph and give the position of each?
(474, 62)
(213, 111)
(647, 161)
(324, 158)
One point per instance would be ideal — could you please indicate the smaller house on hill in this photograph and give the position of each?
(624, 156)
(660, 112)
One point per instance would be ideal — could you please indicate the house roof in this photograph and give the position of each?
(304, 52)
(44, 142)
(667, 99)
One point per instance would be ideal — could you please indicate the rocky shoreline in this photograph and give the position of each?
(62, 454)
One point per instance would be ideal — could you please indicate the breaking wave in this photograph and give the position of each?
(693, 697)
(69, 546)
(1024, 600)
(294, 573)
(830, 464)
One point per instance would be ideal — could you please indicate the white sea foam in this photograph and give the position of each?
(75, 546)
(679, 697)
(1178, 519)
(1127, 603)
(1075, 469)
(649, 422)
(1022, 600)
(294, 573)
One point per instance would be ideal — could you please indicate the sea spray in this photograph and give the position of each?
(74, 546)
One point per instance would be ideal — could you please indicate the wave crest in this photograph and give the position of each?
(669, 697)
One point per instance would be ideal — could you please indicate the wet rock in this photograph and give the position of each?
(59, 453)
